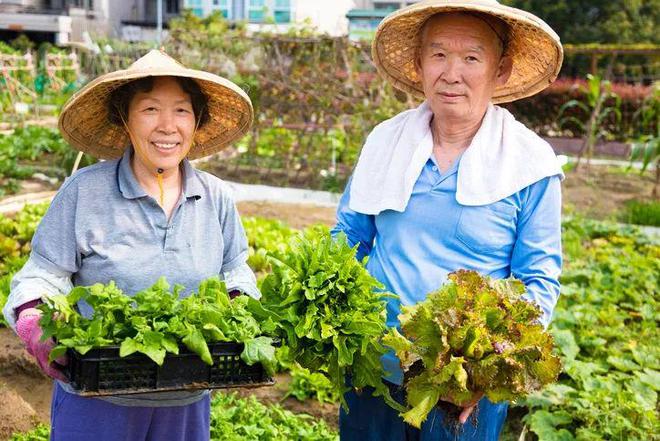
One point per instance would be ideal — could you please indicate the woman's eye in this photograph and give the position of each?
(439, 55)
(182, 110)
(150, 109)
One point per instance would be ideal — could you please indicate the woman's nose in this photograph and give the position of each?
(166, 122)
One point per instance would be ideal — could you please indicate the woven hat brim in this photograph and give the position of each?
(85, 125)
(534, 47)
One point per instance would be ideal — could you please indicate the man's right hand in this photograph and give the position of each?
(28, 330)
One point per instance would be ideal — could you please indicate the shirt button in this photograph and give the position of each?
(435, 168)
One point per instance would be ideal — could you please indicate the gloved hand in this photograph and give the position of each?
(27, 328)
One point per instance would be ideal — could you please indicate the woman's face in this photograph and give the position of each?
(162, 121)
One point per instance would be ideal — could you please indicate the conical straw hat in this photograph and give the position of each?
(534, 47)
(84, 119)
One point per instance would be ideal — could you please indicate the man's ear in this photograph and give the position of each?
(504, 70)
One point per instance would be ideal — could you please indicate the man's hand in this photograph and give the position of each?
(469, 407)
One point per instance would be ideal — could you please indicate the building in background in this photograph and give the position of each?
(55, 21)
(65, 21)
(279, 15)
(367, 15)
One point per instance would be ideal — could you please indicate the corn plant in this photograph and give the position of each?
(593, 114)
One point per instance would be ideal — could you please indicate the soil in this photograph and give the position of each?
(25, 392)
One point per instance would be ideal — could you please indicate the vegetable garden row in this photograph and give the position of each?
(604, 327)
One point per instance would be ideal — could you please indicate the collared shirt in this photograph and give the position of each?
(102, 226)
(413, 251)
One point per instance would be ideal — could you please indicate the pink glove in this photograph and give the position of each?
(27, 328)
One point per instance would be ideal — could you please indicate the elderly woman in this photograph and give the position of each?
(456, 183)
(142, 214)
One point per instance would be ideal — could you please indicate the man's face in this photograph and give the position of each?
(460, 64)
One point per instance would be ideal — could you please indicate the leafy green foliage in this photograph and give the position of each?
(154, 321)
(36, 145)
(603, 21)
(473, 335)
(245, 419)
(327, 307)
(606, 328)
(39, 433)
(15, 236)
(642, 213)
(305, 384)
(265, 235)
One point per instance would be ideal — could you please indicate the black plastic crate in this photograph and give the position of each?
(103, 372)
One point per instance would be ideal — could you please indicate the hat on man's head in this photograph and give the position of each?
(533, 46)
(84, 121)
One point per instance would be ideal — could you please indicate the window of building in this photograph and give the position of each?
(195, 6)
(387, 5)
(172, 7)
(256, 11)
(282, 11)
(224, 6)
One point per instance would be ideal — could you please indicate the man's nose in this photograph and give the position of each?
(451, 72)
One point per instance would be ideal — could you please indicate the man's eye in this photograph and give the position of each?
(150, 109)
(470, 58)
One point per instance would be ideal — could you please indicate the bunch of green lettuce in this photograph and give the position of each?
(155, 321)
(329, 310)
(474, 335)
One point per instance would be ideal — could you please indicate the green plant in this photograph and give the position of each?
(154, 321)
(474, 335)
(605, 326)
(305, 384)
(245, 419)
(594, 113)
(39, 433)
(646, 147)
(642, 213)
(329, 310)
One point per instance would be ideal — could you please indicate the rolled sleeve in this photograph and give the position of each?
(359, 228)
(33, 282)
(242, 279)
(536, 258)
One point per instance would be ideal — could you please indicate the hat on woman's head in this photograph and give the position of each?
(533, 46)
(84, 121)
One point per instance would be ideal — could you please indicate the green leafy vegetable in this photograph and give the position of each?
(154, 321)
(245, 419)
(474, 335)
(329, 310)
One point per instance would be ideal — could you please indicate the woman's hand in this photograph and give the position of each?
(28, 330)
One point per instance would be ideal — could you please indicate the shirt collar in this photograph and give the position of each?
(131, 189)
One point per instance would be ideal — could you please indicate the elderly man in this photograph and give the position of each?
(456, 183)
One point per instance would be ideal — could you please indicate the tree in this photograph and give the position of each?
(598, 21)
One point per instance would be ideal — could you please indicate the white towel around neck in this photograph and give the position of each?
(503, 158)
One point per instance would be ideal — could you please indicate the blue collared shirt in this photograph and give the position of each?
(413, 251)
